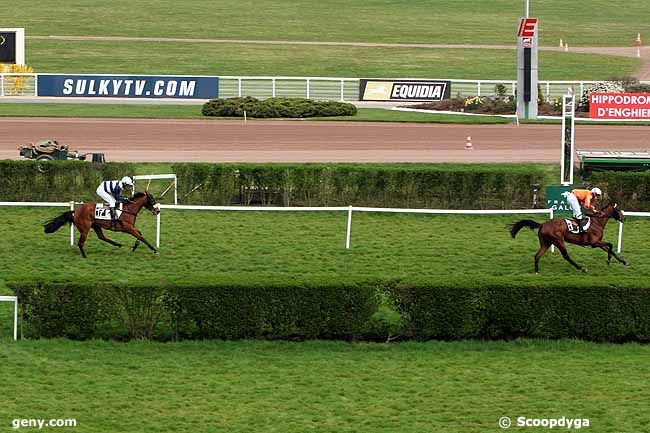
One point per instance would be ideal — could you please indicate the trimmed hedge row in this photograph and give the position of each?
(55, 180)
(452, 186)
(501, 310)
(464, 186)
(630, 189)
(495, 310)
(460, 186)
(289, 108)
(224, 311)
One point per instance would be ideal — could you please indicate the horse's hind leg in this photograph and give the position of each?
(560, 246)
(543, 246)
(102, 236)
(82, 240)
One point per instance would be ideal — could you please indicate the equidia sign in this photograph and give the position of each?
(404, 90)
(128, 86)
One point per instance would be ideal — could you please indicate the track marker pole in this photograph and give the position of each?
(347, 237)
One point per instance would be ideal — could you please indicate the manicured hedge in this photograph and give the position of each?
(460, 186)
(79, 310)
(452, 310)
(55, 180)
(502, 310)
(630, 189)
(276, 108)
(453, 186)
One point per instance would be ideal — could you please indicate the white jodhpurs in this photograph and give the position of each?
(105, 196)
(574, 204)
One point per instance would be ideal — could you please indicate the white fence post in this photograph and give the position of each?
(551, 216)
(16, 319)
(72, 227)
(158, 230)
(620, 237)
(13, 299)
(347, 236)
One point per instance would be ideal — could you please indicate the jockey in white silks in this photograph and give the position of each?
(111, 192)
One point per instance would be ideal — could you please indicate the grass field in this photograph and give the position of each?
(194, 112)
(323, 386)
(228, 246)
(590, 22)
(322, 61)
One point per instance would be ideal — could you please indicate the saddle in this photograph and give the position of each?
(103, 212)
(574, 226)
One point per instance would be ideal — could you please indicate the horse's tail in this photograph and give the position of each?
(55, 223)
(514, 228)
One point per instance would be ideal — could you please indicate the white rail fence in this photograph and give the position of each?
(348, 209)
(13, 299)
(324, 88)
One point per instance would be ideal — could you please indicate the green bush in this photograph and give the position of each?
(257, 310)
(276, 108)
(163, 311)
(631, 190)
(55, 180)
(469, 186)
(502, 310)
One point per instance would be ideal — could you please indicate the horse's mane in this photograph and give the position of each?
(138, 194)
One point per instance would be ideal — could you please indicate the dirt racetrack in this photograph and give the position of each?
(164, 140)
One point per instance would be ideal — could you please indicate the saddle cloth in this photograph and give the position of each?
(103, 212)
(573, 226)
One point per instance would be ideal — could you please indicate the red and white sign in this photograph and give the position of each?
(619, 106)
(527, 28)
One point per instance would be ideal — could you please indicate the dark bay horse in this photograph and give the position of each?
(84, 219)
(555, 232)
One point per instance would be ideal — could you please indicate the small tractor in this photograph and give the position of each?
(48, 150)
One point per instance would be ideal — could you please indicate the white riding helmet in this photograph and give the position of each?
(126, 180)
(596, 191)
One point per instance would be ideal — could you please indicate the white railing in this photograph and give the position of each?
(619, 247)
(349, 210)
(69, 204)
(13, 299)
(325, 88)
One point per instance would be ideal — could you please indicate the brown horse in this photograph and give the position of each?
(84, 219)
(555, 232)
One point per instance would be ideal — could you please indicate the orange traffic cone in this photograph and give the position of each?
(468, 143)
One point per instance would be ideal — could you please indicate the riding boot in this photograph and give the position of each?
(583, 223)
(113, 218)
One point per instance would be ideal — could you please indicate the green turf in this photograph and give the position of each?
(194, 112)
(590, 22)
(229, 246)
(323, 61)
(316, 386)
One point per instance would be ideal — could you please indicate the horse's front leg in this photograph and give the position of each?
(607, 246)
(138, 235)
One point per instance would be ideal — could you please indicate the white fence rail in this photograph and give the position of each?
(348, 209)
(13, 299)
(324, 88)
